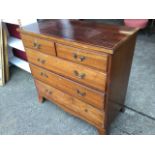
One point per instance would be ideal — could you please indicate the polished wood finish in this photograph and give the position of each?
(38, 44)
(40, 98)
(88, 58)
(102, 131)
(119, 75)
(86, 94)
(85, 110)
(87, 35)
(77, 72)
(86, 68)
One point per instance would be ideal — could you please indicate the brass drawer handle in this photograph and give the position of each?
(78, 58)
(82, 58)
(50, 93)
(41, 61)
(36, 45)
(86, 110)
(47, 91)
(43, 74)
(38, 59)
(79, 75)
(75, 56)
(80, 93)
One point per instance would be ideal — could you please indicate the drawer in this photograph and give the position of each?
(81, 92)
(77, 72)
(41, 45)
(85, 57)
(78, 107)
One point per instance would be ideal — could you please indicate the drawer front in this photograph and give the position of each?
(84, 57)
(77, 72)
(41, 45)
(81, 92)
(82, 109)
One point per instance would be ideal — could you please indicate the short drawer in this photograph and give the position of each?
(85, 57)
(79, 91)
(77, 72)
(80, 108)
(38, 44)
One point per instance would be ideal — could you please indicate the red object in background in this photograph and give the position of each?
(136, 23)
(12, 28)
(20, 54)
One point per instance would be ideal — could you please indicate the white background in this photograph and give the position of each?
(77, 145)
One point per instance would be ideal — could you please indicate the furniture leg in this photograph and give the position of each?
(101, 131)
(40, 98)
(122, 109)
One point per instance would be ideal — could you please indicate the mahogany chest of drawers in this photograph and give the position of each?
(82, 67)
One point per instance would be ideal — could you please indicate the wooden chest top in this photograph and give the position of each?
(85, 34)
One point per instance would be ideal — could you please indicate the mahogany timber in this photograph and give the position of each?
(88, 112)
(119, 73)
(77, 72)
(41, 45)
(83, 67)
(79, 91)
(87, 35)
(88, 58)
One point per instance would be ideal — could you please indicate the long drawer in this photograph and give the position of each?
(80, 108)
(42, 45)
(77, 72)
(85, 57)
(79, 91)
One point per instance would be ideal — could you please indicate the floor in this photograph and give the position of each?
(20, 112)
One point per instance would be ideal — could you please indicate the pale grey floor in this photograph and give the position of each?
(20, 112)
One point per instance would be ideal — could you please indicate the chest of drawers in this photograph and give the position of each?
(82, 67)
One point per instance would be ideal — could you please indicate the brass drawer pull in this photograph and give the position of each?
(80, 93)
(36, 45)
(47, 91)
(38, 59)
(43, 74)
(82, 58)
(79, 75)
(41, 61)
(75, 56)
(86, 110)
(50, 93)
(78, 58)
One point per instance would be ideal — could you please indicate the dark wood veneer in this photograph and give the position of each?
(83, 67)
(87, 33)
